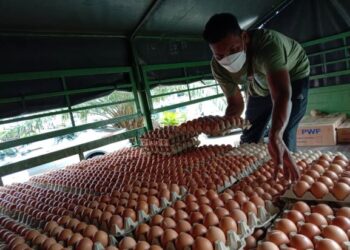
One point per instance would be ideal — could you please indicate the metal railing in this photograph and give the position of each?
(69, 109)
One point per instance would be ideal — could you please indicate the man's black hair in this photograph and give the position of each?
(219, 26)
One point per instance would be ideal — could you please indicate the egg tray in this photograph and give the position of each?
(236, 241)
(308, 196)
(226, 131)
(173, 149)
(166, 141)
(130, 225)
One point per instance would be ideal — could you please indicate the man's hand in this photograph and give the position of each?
(282, 159)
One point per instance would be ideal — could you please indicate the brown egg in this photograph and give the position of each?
(285, 225)
(257, 201)
(113, 248)
(294, 215)
(317, 219)
(211, 219)
(249, 207)
(192, 206)
(342, 222)
(327, 244)
(102, 237)
(142, 205)
(202, 243)
(181, 215)
(345, 180)
(204, 209)
(142, 230)
(319, 190)
(301, 242)
(76, 237)
(267, 245)
(157, 220)
(323, 209)
(56, 246)
(49, 226)
(198, 230)
(301, 207)
(319, 168)
(168, 223)
(80, 227)
(343, 211)
(335, 233)
(142, 245)
(309, 230)
(183, 241)
(238, 215)
(127, 243)
(40, 239)
(307, 178)
(250, 242)
(155, 247)
(331, 175)
(48, 242)
(340, 190)
(32, 234)
(203, 200)
(231, 205)
(90, 231)
(326, 180)
(227, 223)
(84, 244)
(214, 234)
(169, 235)
(154, 233)
(65, 235)
(277, 237)
(183, 226)
(169, 212)
(179, 205)
(196, 217)
(128, 212)
(240, 197)
(300, 188)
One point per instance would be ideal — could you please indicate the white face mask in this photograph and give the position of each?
(234, 62)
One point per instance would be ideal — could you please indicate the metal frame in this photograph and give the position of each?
(187, 79)
(345, 37)
(78, 149)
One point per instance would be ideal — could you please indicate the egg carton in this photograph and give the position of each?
(130, 225)
(308, 196)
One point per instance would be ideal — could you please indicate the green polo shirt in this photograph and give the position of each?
(271, 51)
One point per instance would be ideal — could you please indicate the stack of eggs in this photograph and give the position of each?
(171, 140)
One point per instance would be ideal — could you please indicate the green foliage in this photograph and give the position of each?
(172, 118)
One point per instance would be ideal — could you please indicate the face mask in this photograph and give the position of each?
(234, 62)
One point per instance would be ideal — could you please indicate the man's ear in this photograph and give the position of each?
(245, 36)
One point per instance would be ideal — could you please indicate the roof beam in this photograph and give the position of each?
(271, 14)
(145, 17)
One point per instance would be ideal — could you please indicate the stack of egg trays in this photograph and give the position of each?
(173, 148)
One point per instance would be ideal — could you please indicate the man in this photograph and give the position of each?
(275, 71)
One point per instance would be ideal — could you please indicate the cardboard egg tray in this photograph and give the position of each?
(236, 240)
(166, 141)
(173, 148)
(308, 196)
(130, 225)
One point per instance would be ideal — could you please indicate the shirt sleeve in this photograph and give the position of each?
(227, 84)
(273, 55)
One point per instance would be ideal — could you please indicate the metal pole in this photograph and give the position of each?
(140, 85)
(81, 155)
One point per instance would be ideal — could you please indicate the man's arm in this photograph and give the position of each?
(235, 103)
(281, 93)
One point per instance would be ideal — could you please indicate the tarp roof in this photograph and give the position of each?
(39, 35)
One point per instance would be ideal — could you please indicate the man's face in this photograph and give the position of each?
(229, 45)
